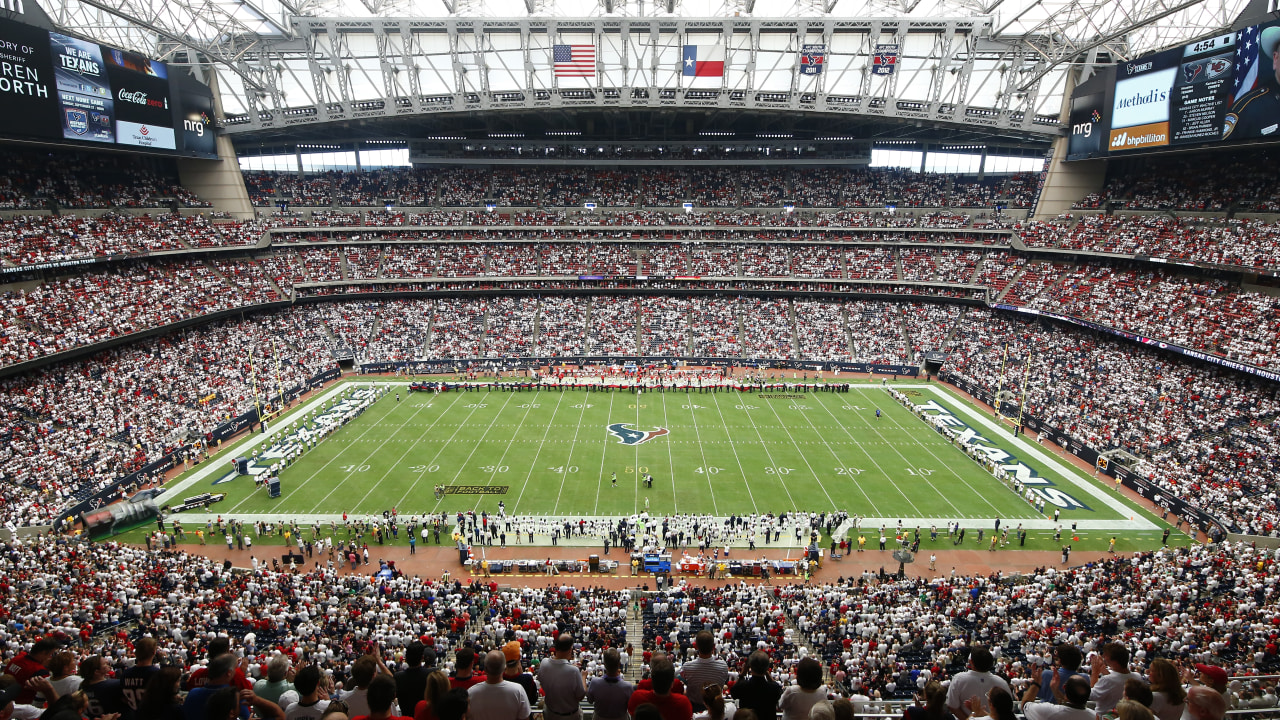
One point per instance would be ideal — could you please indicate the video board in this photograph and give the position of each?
(1220, 89)
(60, 88)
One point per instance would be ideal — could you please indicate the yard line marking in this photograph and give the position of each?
(635, 510)
(519, 425)
(698, 434)
(736, 458)
(671, 461)
(952, 470)
(872, 458)
(599, 480)
(803, 455)
(529, 475)
(765, 445)
(317, 472)
(838, 460)
(926, 477)
(438, 451)
(367, 457)
(572, 445)
(481, 440)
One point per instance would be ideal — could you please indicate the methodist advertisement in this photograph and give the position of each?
(1225, 87)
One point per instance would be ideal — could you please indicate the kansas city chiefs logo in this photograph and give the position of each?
(628, 436)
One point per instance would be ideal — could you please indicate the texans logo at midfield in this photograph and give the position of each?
(628, 436)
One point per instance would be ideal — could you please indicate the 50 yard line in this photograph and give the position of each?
(603, 453)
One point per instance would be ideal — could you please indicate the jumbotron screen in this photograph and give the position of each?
(61, 88)
(1224, 88)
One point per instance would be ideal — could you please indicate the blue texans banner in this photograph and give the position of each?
(885, 60)
(812, 58)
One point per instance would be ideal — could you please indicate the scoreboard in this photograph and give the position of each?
(1219, 89)
(54, 87)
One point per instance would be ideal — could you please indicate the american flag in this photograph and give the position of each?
(574, 60)
(1246, 62)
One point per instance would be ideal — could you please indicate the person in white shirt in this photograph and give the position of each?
(976, 681)
(497, 698)
(1073, 694)
(1108, 686)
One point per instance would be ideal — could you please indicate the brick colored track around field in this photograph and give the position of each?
(432, 560)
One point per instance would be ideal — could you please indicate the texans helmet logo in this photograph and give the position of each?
(629, 436)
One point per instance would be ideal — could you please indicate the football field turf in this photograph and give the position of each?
(550, 452)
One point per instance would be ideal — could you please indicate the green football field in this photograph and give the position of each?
(552, 453)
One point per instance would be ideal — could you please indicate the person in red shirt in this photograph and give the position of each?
(464, 675)
(31, 664)
(673, 706)
(381, 697)
(200, 676)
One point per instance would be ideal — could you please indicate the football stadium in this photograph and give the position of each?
(626, 360)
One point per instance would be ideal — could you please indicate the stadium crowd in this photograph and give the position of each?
(293, 639)
(669, 186)
(1206, 435)
(35, 180)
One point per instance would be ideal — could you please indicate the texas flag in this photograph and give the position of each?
(703, 61)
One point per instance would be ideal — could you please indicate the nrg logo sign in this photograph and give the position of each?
(1086, 128)
(194, 126)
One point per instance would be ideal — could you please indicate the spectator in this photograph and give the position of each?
(704, 670)
(671, 706)
(1133, 710)
(276, 683)
(808, 689)
(382, 700)
(515, 673)
(436, 688)
(1071, 692)
(977, 682)
(758, 692)
(313, 696)
(159, 699)
(609, 695)
(453, 705)
(562, 682)
(497, 698)
(1110, 671)
(464, 676)
(935, 704)
(104, 693)
(29, 664)
(1212, 676)
(411, 682)
(998, 699)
